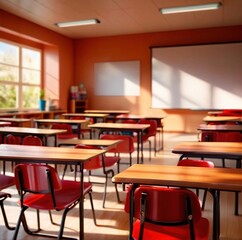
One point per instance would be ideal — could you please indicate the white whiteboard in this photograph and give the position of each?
(117, 78)
(197, 77)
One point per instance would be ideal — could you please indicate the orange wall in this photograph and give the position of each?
(57, 52)
(69, 62)
(137, 47)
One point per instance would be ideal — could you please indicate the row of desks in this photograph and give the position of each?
(52, 155)
(213, 179)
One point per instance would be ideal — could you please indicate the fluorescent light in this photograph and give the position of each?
(78, 23)
(193, 8)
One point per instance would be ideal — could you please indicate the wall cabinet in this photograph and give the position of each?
(78, 106)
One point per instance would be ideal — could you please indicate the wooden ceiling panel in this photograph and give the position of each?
(119, 17)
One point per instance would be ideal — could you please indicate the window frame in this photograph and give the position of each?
(20, 83)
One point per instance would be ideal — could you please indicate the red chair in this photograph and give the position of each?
(151, 132)
(40, 188)
(68, 134)
(197, 163)
(11, 139)
(126, 146)
(5, 182)
(101, 163)
(86, 129)
(32, 141)
(167, 213)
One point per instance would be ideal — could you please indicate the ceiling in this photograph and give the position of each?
(121, 17)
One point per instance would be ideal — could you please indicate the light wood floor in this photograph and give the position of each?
(113, 221)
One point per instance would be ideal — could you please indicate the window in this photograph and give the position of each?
(20, 77)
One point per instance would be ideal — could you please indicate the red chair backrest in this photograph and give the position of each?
(33, 178)
(64, 126)
(91, 120)
(10, 139)
(165, 205)
(93, 163)
(125, 146)
(32, 141)
(195, 163)
(151, 131)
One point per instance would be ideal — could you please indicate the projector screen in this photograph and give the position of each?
(197, 76)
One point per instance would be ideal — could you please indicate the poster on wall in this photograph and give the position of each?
(117, 78)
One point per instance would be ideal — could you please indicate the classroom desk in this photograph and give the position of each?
(106, 144)
(222, 119)
(116, 127)
(52, 155)
(75, 122)
(94, 116)
(214, 179)
(18, 122)
(220, 133)
(158, 119)
(5, 124)
(220, 127)
(22, 131)
(112, 113)
(223, 150)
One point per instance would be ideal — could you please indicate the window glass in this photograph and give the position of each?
(20, 76)
(8, 95)
(9, 53)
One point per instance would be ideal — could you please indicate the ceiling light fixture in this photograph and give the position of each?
(78, 23)
(193, 8)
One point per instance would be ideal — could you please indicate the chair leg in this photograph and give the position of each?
(20, 219)
(105, 190)
(92, 206)
(4, 213)
(105, 187)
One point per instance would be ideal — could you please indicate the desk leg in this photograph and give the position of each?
(141, 147)
(216, 213)
(81, 205)
(138, 146)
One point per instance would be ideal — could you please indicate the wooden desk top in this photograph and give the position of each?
(194, 177)
(222, 119)
(4, 124)
(91, 115)
(137, 117)
(46, 154)
(108, 111)
(17, 120)
(69, 121)
(36, 131)
(120, 126)
(220, 127)
(93, 142)
(210, 148)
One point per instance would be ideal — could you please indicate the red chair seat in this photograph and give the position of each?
(44, 201)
